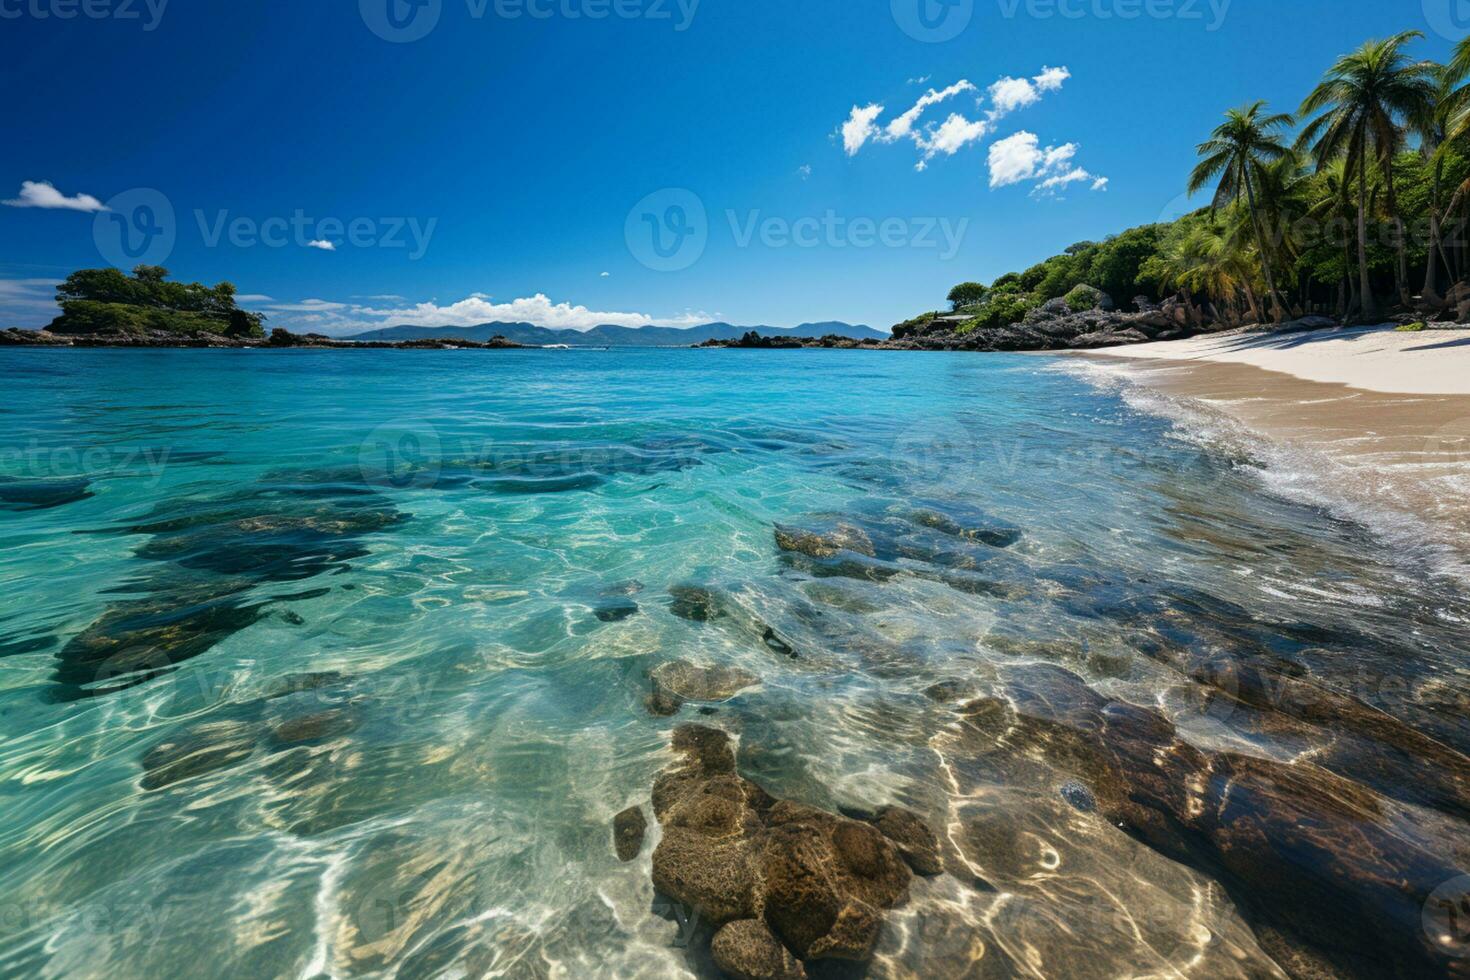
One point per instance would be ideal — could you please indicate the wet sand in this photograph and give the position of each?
(1378, 418)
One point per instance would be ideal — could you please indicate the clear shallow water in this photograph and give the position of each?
(336, 664)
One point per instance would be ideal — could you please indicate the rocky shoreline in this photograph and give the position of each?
(278, 339)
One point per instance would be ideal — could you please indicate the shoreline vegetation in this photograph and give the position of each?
(1359, 219)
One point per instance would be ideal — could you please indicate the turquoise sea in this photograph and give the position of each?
(337, 663)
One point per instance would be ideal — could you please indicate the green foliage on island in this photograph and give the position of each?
(1365, 208)
(108, 301)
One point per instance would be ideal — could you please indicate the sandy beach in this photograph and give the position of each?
(1381, 418)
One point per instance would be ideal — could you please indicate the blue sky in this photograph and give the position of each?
(516, 161)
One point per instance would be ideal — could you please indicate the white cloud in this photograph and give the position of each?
(859, 128)
(805, 170)
(1020, 158)
(254, 298)
(322, 244)
(1009, 94)
(903, 126)
(1014, 159)
(41, 194)
(605, 275)
(1005, 96)
(538, 309)
(953, 134)
(921, 80)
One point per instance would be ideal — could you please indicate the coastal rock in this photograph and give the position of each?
(747, 950)
(963, 521)
(1356, 879)
(628, 830)
(826, 543)
(695, 603)
(17, 494)
(731, 852)
(679, 681)
(913, 838)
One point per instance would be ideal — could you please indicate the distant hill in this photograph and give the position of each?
(611, 336)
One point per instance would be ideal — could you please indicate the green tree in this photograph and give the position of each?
(967, 294)
(1363, 100)
(1236, 154)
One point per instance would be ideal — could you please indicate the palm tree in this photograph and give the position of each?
(1362, 99)
(1236, 153)
(1204, 258)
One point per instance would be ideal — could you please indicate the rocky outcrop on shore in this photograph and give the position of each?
(1054, 326)
(279, 338)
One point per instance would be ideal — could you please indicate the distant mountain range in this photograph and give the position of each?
(610, 336)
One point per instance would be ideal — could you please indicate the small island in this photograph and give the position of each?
(109, 308)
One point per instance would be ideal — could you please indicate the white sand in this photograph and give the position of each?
(1428, 362)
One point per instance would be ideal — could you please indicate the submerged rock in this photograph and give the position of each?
(825, 544)
(820, 882)
(16, 494)
(747, 950)
(628, 830)
(615, 610)
(203, 749)
(694, 603)
(915, 841)
(1325, 862)
(679, 681)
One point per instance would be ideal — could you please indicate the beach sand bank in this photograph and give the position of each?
(1372, 422)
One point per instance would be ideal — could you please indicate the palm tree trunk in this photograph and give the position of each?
(1250, 299)
(1276, 304)
(1436, 251)
(1366, 303)
(1401, 268)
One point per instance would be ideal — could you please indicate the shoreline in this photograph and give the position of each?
(1377, 440)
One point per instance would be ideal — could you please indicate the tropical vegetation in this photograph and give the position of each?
(108, 301)
(1354, 206)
